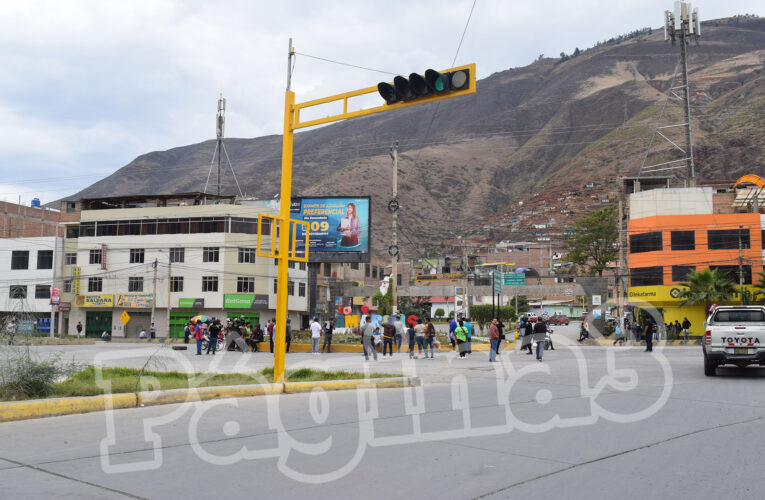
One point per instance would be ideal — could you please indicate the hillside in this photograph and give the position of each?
(537, 133)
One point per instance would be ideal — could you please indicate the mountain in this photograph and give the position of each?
(537, 134)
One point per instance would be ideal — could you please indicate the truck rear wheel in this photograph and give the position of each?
(710, 369)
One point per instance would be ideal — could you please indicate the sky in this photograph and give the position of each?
(87, 86)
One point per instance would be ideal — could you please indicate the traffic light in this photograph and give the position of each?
(418, 86)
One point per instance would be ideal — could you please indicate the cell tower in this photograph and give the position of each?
(682, 24)
(220, 128)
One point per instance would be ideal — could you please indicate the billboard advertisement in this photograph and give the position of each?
(337, 226)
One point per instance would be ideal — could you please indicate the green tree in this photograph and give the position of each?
(707, 286)
(440, 313)
(595, 240)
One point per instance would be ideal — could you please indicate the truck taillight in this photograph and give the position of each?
(708, 337)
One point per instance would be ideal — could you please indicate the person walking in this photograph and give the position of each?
(419, 331)
(686, 328)
(461, 333)
(199, 335)
(315, 336)
(328, 330)
(540, 330)
(213, 333)
(528, 330)
(367, 340)
(469, 327)
(287, 334)
(399, 325)
(493, 340)
(389, 334)
(79, 329)
(152, 331)
(452, 339)
(430, 337)
(186, 332)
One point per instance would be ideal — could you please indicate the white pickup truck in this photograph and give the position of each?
(734, 335)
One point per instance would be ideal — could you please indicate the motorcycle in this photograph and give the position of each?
(548, 341)
(206, 342)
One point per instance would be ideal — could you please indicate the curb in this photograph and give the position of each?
(39, 408)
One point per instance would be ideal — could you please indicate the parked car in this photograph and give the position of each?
(558, 319)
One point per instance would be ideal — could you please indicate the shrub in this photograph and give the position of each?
(24, 377)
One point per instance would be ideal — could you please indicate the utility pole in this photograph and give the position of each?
(169, 283)
(393, 249)
(619, 262)
(154, 293)
(740, 266)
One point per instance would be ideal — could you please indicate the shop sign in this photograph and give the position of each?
(245, 301)
(191, 303)
(94, 301)
(64, 306)
(135, 300)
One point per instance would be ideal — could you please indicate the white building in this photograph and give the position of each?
(123, 253)
(27, 275)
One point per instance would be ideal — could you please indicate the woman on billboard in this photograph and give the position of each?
(349, 227)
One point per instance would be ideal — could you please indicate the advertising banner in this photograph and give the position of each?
(55, 296)
(245, 301)
(335, 224)
(191, 303)
(94, 300)
(135, 300)
(76, 280)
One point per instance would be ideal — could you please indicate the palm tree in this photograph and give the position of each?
(759, 287)
(707, 286)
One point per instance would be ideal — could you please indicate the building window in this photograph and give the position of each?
(646, 276)
(95, 284)
(301, 289)
(327, 269)
(135, 284)
(727, 239)
(276, 262)
(210, 254)
(290, 287)
(246, 255)
(70, 259)
(177, 254)
(374, 272)
(680, 273)
(245, 285)
(45, 259)
(106, 229)
(355, 266)
(366, 270)
(18, 291)
(136, 255)
(87, 229)
(67, 288)
(72, 231)
(20, 259)
(291, 264)
(95, 257)
(646, 242)
(71, 207)
(209, 283)
(42, 291)
(302, 266)
(731, 272)
(176, 284)
(276, 286)
(398, 279)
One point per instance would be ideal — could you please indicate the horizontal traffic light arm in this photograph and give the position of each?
(297, 124)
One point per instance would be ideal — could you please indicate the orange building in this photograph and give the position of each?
(674, 231)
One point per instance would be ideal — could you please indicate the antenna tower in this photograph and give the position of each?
(220, 128)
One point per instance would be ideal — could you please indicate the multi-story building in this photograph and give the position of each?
(677, 230)
(168, 258)
(28, 266)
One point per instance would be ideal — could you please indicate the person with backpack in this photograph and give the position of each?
(469, 327)
(389, 333)
(430, 336)
(461, 333)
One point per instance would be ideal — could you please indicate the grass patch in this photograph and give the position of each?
(127, 380)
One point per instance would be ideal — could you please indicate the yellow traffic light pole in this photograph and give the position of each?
(291, 123)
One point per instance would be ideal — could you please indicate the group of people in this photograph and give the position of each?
(237, 333)
(531, 329)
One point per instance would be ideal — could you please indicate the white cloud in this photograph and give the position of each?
(88, 85)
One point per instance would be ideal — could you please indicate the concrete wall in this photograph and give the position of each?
(673, 201)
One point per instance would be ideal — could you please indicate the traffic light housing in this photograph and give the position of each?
(430, 84)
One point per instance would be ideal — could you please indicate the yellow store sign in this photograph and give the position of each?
(94, 301)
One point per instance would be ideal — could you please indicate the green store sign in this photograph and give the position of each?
(245, 301)
(191, 303)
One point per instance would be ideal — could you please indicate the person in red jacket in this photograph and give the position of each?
(494, 339)
(199, 335)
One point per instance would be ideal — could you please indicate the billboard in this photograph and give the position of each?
(339, 227)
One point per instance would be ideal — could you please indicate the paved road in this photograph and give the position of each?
(652, 427)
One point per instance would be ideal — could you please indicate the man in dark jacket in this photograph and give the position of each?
(528, 329)
(541, 329)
